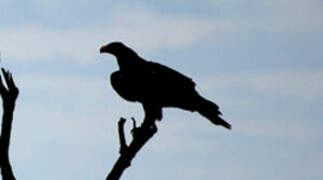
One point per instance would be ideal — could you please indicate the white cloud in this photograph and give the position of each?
(145, 29)
(295, 132)
(262, 117)
(86, 105)
(139, 28)
(301, 84)
(66, 116)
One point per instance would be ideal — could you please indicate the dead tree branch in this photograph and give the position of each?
(9, 95)
(139, 137)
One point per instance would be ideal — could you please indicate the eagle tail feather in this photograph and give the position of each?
(211, 111)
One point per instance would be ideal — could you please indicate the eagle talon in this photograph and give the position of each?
(135, 131)
(134, 126)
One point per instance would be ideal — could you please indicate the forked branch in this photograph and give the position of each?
(139, 137)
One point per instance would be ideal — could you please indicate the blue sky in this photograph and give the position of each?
(260, 61)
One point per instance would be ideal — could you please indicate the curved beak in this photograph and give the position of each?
(103, 49)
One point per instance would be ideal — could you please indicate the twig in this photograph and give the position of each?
(140, 136)
(122, 139)
(9, 96)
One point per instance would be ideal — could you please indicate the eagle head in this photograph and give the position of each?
(114, 48)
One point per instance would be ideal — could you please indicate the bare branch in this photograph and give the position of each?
(9, 96)
(141, 135)
(122, 139)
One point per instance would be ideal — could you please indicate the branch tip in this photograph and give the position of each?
(122, 139)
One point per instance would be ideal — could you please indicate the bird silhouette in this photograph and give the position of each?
(157, 86)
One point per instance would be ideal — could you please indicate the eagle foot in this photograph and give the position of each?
(144, 130)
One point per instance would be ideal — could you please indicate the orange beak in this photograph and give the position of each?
(103, 49)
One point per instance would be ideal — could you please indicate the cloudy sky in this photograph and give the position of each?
(261, 61)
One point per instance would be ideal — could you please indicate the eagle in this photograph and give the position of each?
(156, 86)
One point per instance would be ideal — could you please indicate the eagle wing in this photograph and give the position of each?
(167, 76)
(166, 86)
